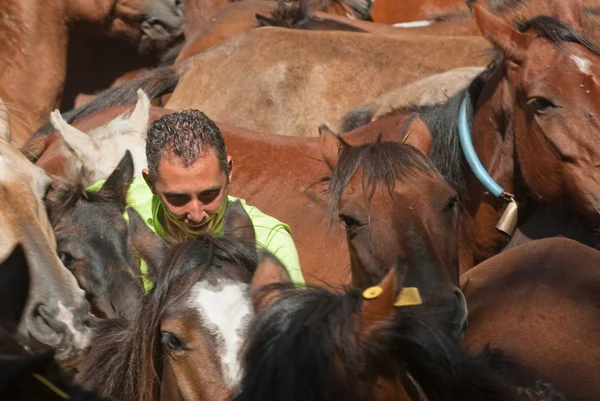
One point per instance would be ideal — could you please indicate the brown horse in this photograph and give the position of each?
(539, 302)
(94, 244)
(376, 192)
(56, 313)
(322, 345)
(321, 245)
(195, 316)
(35, 40)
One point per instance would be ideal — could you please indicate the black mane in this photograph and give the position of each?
(293, 347)
(557, 32)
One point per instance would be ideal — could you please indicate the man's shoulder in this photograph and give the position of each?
(265, 226)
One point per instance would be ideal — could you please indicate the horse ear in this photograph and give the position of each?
(138, 121)
(567, 11)
(116, 186)
(84, 147)
(378, 303)
(14, 288)
(268, 271)
(237, 223)
(330, 146)
(418, 135)
(509, 42)
(4, 124)
(149, 246)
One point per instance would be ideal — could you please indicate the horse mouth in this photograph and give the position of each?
(45, 331)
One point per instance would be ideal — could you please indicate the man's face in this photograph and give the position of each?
(193, 196)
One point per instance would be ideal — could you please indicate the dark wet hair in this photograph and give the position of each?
(186, 135)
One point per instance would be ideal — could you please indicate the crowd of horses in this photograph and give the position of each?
(439, 179)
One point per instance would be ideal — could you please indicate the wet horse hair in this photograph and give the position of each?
(382, 164)
(305, 347)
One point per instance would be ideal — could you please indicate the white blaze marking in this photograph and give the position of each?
(227, 309)
(582, 63)
(412, 24)
(66, 316)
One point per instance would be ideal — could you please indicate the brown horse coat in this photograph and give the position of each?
(34, 44)
(294, 81)
(539, 303)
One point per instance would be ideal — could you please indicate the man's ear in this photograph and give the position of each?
(146, 176)
(230, 166)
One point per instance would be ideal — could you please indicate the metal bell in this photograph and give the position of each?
(508, 222)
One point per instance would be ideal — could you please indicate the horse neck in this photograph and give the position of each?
(492, 133)
(32, 61)
(33, 56)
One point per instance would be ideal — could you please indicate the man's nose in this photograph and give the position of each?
(196, 212)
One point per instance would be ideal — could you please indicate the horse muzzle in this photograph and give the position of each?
(54, 325)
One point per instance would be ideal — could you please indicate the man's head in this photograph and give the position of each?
(189, 170)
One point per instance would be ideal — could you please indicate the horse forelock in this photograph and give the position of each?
(382, 163)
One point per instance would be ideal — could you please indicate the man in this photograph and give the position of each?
(185, 188)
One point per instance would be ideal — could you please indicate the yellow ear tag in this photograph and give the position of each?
(409, 296)
(372, 292)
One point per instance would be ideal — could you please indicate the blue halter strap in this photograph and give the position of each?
(466, 143)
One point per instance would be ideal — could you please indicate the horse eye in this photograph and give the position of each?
(540, 105)
(171, 341)
(66, 258)
(451, 205)
(349, 222)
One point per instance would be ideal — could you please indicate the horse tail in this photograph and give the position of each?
(155, 83)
